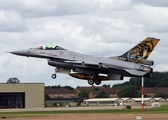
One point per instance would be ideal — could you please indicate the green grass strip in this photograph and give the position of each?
(161, 110)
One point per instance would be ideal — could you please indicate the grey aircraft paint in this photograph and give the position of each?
(133, 63)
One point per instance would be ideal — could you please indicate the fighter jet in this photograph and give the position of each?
(133, 63)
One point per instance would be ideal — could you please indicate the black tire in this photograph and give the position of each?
(53, 76)
(90, 82)
(98, 82)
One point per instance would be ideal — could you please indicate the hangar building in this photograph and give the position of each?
(22, 95)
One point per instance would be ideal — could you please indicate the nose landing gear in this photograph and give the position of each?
(54, 76)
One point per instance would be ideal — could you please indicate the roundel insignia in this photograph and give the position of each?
(61, 52)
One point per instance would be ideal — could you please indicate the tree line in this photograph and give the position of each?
(158, 79)
(131, 89)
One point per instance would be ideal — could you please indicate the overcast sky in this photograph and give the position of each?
(95, 27)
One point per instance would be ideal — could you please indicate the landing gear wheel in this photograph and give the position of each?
(90, 82)
(53, 76)
(98, 82)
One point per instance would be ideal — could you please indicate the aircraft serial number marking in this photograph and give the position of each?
(55, 54)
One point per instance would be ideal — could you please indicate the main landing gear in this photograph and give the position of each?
(54, 76)
(98, 82)
(90, 81)
(93, 80)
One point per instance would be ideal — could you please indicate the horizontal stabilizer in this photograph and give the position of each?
(135, 72)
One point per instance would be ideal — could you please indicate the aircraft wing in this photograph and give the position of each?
(90, 64)
(137, 70)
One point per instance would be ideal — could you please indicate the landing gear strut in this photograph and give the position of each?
(54, 75)
(91, 80)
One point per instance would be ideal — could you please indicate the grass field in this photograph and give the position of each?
(161, 110)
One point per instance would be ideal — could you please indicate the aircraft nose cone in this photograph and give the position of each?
(16, 52)
(19, 52)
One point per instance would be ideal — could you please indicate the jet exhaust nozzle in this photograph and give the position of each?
(146, 69)
(146, 62)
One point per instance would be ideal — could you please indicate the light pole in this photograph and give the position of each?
(142, 94)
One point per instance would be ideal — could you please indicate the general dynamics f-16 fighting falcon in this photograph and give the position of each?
(133, 63)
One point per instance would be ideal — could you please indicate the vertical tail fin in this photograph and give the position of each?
(141, 51)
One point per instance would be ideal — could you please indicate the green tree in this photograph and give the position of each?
(159, 79)
(106, 86)
(13, 80)
(69, 87)
(102, 94)
(47, 97)
(96, 89)
(162, 83)
(56, 86)
(161, 95)
(83, 95)
(128, 91)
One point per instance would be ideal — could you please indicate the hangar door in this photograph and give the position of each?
(12, 100)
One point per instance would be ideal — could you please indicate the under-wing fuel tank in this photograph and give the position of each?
(88, 77)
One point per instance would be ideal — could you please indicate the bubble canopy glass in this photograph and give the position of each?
(49, 47)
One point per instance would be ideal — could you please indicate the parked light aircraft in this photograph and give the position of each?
(133, 63)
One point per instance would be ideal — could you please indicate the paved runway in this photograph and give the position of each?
(70, 108)
(96, 117)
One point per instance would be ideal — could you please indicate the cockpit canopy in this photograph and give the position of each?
(50, 47)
